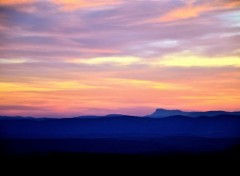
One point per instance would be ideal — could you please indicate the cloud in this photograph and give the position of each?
(146, 84)
(16, 2)
(107, 60)
(41, 86)
(13, 61)
(188, 60)
(185, 13)
(117, 32)
(69, 5)
(19, 108)
(193, 9)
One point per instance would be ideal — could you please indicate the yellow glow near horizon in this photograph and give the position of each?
(186, 60)
(174, 60)
(146, 84)
(47, 86)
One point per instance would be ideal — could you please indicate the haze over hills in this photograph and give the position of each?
(158, 113)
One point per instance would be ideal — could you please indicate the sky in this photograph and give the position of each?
(65, 58)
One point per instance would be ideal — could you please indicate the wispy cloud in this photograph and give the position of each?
(192, 9)
(16, 2)
(107, 60)
(69, 5)
(188, 60)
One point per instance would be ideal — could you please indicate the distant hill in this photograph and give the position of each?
(164, 113)
(158, 113)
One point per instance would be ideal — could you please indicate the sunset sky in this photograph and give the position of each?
(65, 58)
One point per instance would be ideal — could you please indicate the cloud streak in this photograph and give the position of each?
(69, 5)
(192, 9)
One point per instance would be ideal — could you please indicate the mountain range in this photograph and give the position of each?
(160, 132)
(158, 113)
(164, 113)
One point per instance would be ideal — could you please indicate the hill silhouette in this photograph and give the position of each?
(176, 133)
(164, 113)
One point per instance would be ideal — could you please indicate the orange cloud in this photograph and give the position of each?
(191, 10)
(69, 5)
(15, 2)
(185, 12)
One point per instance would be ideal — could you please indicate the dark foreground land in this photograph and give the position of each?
(189, 143)
(164, 152)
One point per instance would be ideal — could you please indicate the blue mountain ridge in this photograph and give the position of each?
(116, 133)
(158, 113)
(164, 112)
